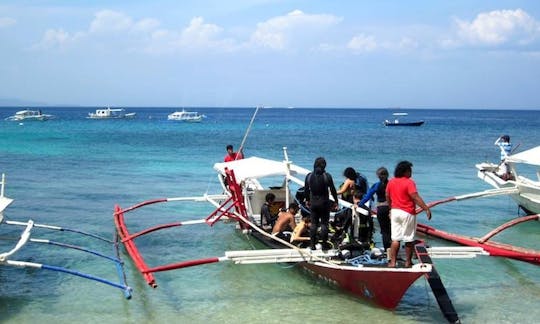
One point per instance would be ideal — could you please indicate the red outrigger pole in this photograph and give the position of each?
(493, 248)
(235, 201)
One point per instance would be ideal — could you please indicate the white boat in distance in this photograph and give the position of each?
(525, 191)
(187, 116)
(29, 115)
(109, 113)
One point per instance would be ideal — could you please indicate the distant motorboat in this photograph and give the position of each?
(187, 116)
(29, 115)
(397, 122)
(109, 113)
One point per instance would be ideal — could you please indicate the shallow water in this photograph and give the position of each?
(71, 171)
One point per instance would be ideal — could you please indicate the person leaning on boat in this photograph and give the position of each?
(503, 142)
(301, 231)
(285, 222)
(403, 197)
(316, 187)
(383, 210)
(232, 155)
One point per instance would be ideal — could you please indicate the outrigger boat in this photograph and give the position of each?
(363, 274)
(525, 191)
(27, 236)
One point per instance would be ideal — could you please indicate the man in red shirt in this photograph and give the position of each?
(403, 197)
(232, 155)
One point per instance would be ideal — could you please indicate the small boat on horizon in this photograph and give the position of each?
(29, 115)
(110, 113)
(397, 122)
(186, 116)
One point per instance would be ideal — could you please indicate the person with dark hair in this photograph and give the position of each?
(403, 197)
(316, 187)
(232, 155)
(503, 142)
(285, 222)
(383, 210)
(267, 219)
(301, 231)
(347, 188)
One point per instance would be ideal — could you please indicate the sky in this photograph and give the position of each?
(458, 54)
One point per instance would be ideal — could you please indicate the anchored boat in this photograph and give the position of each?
(110, 113)
(397, 122)
(525, 190)
(360, 272)
(29, 115)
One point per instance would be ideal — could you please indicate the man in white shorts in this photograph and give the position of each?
(403, 197)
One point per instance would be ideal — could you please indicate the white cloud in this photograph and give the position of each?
(110, 21)
(6, 22)
(496, 28)
(295, 27)
(362, 43)
(53, 38)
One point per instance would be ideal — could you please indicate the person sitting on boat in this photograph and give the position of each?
(232, 155)
(285, 222)
(268, 219)
(301, 231)
(503, 142)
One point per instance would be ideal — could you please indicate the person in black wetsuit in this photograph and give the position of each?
(316, 187)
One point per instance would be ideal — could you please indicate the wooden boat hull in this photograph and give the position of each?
(376, 284)
(383, 287)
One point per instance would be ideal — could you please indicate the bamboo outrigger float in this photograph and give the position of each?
(27, 236)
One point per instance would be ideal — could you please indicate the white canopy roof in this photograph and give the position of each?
(531, 156)
(255, 167)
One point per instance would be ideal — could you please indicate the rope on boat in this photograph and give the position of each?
(61, 229)
(75, 247)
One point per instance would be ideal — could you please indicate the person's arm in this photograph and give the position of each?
(344, 186)
(332, 188)
(420, 202)
(370, 193)
(298, 229)
(307, 190)
(292, 223)
(265, 214)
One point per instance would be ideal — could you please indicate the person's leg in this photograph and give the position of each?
(394, 249)
(313, 229)
(325, 217)
(408, 254)
(383, 217)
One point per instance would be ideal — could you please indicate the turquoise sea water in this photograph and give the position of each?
(71, 171)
